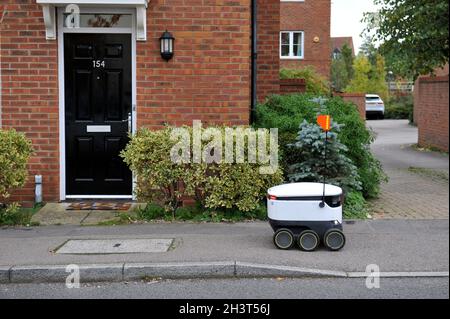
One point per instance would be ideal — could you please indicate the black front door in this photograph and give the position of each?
(97, 107)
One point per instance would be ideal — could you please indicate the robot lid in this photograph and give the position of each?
(304, 190)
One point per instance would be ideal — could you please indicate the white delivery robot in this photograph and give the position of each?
(306, 214)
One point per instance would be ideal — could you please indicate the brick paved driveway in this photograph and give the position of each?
(418, 185)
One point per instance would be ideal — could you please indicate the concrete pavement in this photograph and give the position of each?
(418, 193)
(242, 249)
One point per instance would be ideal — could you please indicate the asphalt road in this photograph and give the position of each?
(306, 288)
(392, 146)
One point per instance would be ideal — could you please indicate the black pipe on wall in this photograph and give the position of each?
(254, 65)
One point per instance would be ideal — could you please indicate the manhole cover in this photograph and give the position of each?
(114, 246)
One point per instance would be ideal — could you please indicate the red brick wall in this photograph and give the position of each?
(359, 99)
(268, 48)
(313, 17)
(431, 106)
(29, 96)
(208, 79)
(289, 86)
(437, 72)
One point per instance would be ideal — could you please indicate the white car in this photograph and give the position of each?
(374, 105)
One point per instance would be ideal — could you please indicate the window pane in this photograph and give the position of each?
(285, 50)
(91, 20)
(297, 38)
(297, 50)
(285, 38)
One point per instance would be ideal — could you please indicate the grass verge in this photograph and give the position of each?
(431, 173)
(419, 148)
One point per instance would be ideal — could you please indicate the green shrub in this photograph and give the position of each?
(215, 186)
(9, 215)
(315, 83)
(198, 213)
(186, 213)
(310, 166)
(286, 112)
(158, 178)
(15, 150)
(400, 107)
(355, 206)
(151, 212)
(13, 214)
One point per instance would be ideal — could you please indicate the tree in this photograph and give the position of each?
(347, 56)
(360, 81)
(369, 78)
(339, 75)
(369, 50)
(309, 148)
(378, 78)
(413, 33)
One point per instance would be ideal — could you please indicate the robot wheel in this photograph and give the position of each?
(284, 238)
(308, 240)
(334, 239)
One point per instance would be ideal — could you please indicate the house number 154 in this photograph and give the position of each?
(98, 63)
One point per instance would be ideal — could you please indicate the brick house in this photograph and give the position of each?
(338, 42)
(77, 82)
(305, 35)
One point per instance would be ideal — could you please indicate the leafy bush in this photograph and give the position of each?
(286, 112)
(309, 149)
(9, 215)
(13, 214)
(315, 83)
(400, 107)
(150, 212)
(355, 206)
(148, 155)
(15, 150)
(216, 186)
(198, 213)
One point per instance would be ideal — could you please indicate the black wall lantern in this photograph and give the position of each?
(167, 41)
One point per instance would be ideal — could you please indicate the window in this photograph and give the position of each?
(291, 44)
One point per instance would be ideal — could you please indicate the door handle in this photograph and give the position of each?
(129, 122)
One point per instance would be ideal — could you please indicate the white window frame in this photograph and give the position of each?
(62, 118)
(291, 46)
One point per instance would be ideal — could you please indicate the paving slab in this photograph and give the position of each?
(95, 217)
(115, 246)
(56, 214)
(418, 193)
